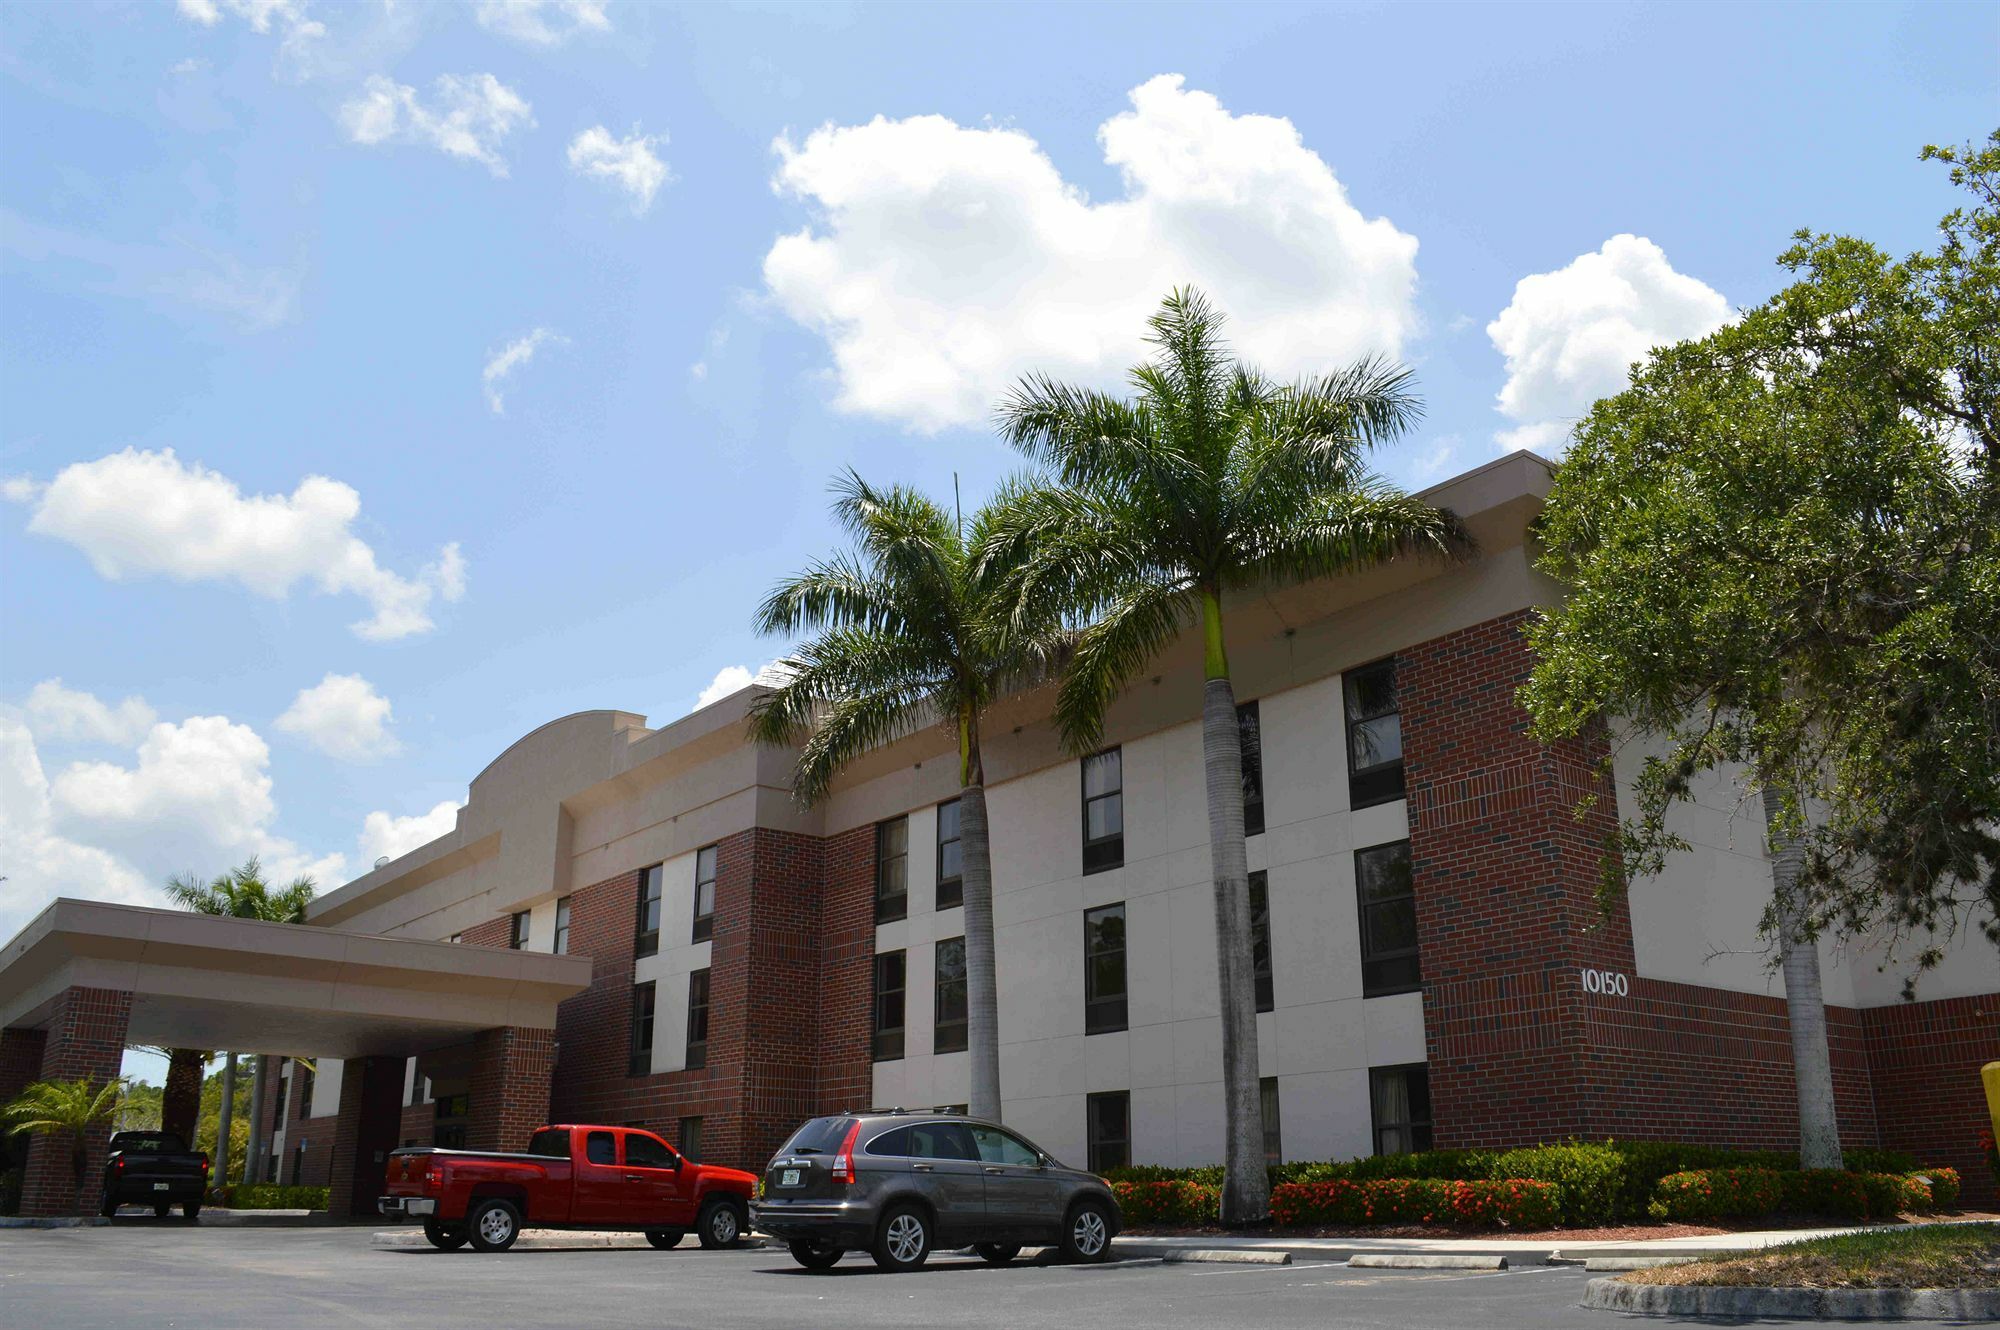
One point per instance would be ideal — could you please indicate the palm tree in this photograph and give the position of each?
(241, 893)
(1211, 480)
(904, 634)
(72, 1109)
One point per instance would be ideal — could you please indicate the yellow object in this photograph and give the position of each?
(1990, 1073)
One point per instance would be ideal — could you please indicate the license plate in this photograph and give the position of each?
(159, 1186)
(789, 1178)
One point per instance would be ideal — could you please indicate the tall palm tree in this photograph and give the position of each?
(904, 634)
(1211, 479)
(240, 893)
(70, 1110)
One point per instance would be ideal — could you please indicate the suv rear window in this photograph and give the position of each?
(821, 1136)
(550, 1142)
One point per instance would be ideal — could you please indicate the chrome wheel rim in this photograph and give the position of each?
(1088, 1234)
(495, 1226)
(906, 1238)
(723, 1226)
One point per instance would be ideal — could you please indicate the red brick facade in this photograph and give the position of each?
(84, 1039)
(371, 1092)
(1925, 1059)
(509, 1088)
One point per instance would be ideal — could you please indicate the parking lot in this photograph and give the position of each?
(142, 1273)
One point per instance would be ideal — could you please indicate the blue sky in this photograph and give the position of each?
(262, 263)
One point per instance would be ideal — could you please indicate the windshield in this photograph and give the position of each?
(818, 1137)
(149, 1142)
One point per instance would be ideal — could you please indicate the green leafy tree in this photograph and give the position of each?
(70, 1111)
(1783, 548)
(1211, 480)
(906, 633)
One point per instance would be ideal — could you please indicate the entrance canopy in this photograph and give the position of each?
(199, 981)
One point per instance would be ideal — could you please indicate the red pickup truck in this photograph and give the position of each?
(570, 1177)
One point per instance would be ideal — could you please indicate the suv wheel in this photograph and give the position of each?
(1087, 1233)
(904, 1239)
(494, 1225)
(997, 1253)
(720, 1225)
(815, 1257)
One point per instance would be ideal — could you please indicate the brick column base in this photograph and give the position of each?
(509, 1087)
(371, 1093)
(85, 1039)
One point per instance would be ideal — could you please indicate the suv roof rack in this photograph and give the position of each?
(941, 1110)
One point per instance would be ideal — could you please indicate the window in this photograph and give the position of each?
(889, 975)
(690, 1139)
(649, 912)
(1401, 1100)
(1260, 938)
(550, 1143)
(517, 931)
(950, 1024)
(1274, 1135)
(305, 1071)
(1388, 920)
(950, 859)
(1003, 1147)
(1104, 969)
(892, 869)
(940, 1140)
(600, 1147)
(641, 1060)
(1249, 729)
(820, 1136)
(1110, 1130)
(697, 1040)
(704, 893)
(1374, 735)
(562, 927)
(643, 1150)
(1103, 811)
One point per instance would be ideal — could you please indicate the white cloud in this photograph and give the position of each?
(511, 357)
(946, 261)
(1570, 336)
(68, 715)
(297, 30)
(727, 680)
(541, 22)
(342, 716)
(468, 115)
(139, 513)
(629, 163)
(385, 836)
(40, 862)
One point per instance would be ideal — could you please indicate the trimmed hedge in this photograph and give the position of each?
(1751, 1193)
(1168, 1202)
(267, 1196)
(1515, 1203)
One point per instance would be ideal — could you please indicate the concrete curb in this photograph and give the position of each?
(1402, 1261)
(55, 1221)
(1220, 1256)
(1824, 1304)
(1607, 1264)
(550, 1239)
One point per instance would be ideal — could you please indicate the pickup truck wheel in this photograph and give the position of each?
(161, 1209)
(445, 1237)
(665, 1238)
(720, 1225)
(904, 1239)
(997, 1253)
(494, 1225)
(110, 1209)
(815, 1257)
(191, 1211)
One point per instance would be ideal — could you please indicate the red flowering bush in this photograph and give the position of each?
(1172, 1202)
(1749, 1193)
(1512, 1202)
(1944, 1186)
(1709, 1193)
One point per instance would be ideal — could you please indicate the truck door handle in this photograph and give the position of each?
(920, 1168)
(635, 1177)
(995, 1170)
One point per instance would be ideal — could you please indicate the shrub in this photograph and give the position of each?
(1944, 1182)
(1517, 1203)
(1173, 1201)
(267, 1196)
(1826, 1191)
(1589, 1178)
(1718, 1192)
(1864, 1159)
(1447, 1165)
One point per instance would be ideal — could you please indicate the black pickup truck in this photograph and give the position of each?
(154, 1168)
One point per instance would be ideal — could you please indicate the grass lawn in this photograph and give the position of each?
(1921, 1256)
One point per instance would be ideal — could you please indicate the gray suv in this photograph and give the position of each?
(897, 1184)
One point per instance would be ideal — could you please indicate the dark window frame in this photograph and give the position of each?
(1375, 782)
(1103, 1012)
(886, 1042)
(695, 1051)
(1386, 971)
(645, 1010)
(1260, 941)
(703, 927)
(562, 925)
(889, 908)
(305, 1087)
(1271, 1111)
(1108, 851)
(1417, 1127)
(948, 1036)
(950, 886)
(652, 887)
(1108, 1151)
(517, 930)
(1250, 732)
(689, 1129)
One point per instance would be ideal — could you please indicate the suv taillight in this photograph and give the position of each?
(204, 1166)
(843, 1162)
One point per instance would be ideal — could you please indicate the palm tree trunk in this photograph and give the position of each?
(982, 983)
(1246, 1188)
(253, 1150)
(1805, 1001)
(180, 1101)
(225, 1114)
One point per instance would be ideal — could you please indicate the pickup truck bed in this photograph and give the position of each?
(154, 1168)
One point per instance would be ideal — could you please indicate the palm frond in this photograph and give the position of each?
(835, 590)
(1343, 532)
(1136, 625)
(851, 726)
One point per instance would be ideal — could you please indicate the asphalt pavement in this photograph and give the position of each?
(143, 1272)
